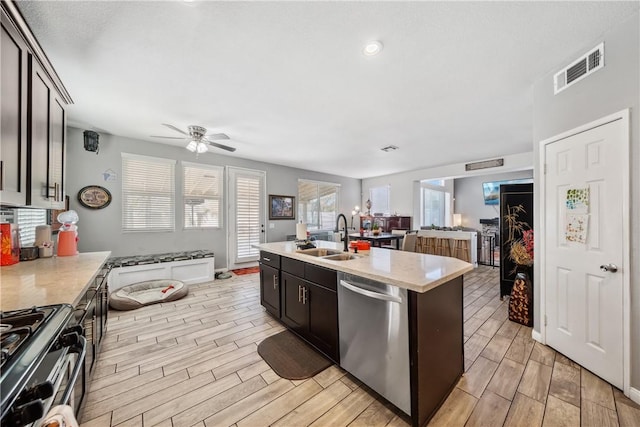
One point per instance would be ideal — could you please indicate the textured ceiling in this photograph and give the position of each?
(288, 83)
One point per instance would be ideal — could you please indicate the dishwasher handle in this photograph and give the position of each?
(370, 294)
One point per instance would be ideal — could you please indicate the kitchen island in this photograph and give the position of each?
(404, 341)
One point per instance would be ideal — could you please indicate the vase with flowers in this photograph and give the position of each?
(375, 228)
(521, 252)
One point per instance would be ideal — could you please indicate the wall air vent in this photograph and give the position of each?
(580, 68)
(484, 164)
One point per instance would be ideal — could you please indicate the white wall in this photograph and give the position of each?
(611, 89)
(405, 186)
(469, 199)
(100, 230)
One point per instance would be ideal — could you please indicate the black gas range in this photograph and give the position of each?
(41, 362)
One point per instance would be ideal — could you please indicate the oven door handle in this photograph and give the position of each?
(81, 349)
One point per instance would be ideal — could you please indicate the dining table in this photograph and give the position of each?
(377, 239)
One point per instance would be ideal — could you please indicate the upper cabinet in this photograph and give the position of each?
(33, 119)
(13, 129)
(46, 136)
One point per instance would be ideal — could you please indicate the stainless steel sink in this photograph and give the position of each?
(343, 256)
(320, 252)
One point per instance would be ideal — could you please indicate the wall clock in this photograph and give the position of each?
(94, 197)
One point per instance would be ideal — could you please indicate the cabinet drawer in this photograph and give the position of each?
(270, 259)
(322, 276)
(293, 266)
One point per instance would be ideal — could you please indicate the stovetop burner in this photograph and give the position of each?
(16, 327)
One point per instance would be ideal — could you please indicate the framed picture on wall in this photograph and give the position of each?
(282, 207)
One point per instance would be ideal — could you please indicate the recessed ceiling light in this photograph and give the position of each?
(372, 48)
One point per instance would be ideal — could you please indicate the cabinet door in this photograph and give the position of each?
(323, 319)
(56, 154)
(39, 106)
(294, 310)
(13, 131)
(270, 289)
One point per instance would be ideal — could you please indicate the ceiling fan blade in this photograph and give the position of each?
(218, 136)
(175, 128)
(224, 147)
(167, 137)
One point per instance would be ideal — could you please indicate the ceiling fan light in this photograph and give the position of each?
(372, 48)
(201, 148)
(192, 146)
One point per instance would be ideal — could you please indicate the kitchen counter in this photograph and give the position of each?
(45, 281)
(409, 270)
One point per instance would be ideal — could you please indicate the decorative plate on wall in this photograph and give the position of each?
(94, 197)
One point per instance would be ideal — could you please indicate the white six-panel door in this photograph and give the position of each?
(583, 303)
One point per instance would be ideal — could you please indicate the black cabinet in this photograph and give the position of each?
(310, 304)
(13, 127)
(270, 282)
(303, 296)
(516, 207)
(46, 133)
(33, 128)
(270, 289)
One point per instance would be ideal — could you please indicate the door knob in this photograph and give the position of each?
(611, 268)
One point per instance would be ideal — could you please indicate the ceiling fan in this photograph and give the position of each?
(198, 138)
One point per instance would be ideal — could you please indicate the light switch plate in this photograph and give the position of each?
(272, 225)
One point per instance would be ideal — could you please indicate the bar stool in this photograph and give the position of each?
(461, 249)
(443, 247)
(421, 244)
(431, 244)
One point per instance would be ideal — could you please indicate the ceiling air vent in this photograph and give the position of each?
(579, 69)
(484, 164)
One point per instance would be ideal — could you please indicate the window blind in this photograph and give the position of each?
(248, 219)
(318, 204)
(202, 196)
(148, 193)
(27, 220)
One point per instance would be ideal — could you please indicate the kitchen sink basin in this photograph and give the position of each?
(320, 252)
(343, 256)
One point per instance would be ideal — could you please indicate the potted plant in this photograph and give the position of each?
(375, 228)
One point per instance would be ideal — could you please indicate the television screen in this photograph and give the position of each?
(491, 190)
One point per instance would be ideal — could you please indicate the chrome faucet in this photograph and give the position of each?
(345, 239)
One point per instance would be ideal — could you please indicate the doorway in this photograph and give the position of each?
(584, 246)
(246, 216)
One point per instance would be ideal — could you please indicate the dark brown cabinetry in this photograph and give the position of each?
(270, 289)
(303, 296)
(386, 223)
(270, 282)
(46, 134)
(13, 127)
(310, 304)
(33, 119)
(91, 314)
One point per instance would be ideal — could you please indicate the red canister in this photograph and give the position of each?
(10, 244)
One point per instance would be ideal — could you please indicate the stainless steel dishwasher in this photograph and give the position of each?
(373, 326)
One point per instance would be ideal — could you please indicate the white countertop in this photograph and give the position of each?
(410, 270)
(46, 281)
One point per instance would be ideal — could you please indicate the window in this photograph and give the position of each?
(202, 186)
(318, 204)
(148, 193)
(435, 207)
(379, 197)
(27, 221)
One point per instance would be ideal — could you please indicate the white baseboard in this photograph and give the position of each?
(536, 336)
(634, 394)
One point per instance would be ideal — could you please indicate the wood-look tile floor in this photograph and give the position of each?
(194, 363)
